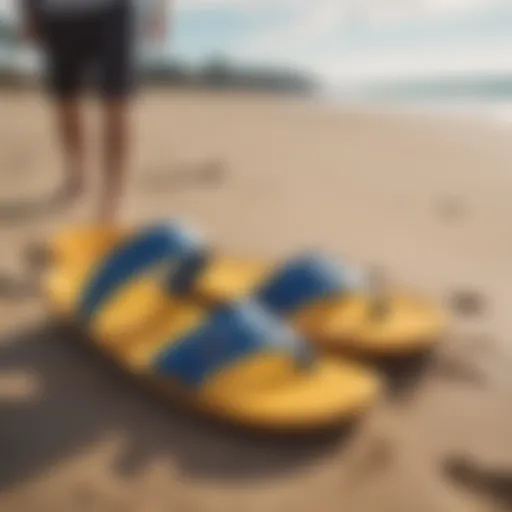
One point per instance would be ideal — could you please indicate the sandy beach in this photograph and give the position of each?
(426, 199)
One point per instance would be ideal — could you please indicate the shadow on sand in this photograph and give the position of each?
(17, 288)
(23, 287)
(405, 375)
(402, 375)
(82, 398)
(18, 211)
(493, 484)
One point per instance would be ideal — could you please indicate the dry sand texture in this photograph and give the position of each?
(427, 200)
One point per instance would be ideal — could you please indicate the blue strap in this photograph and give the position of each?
(303, 281)
(154, 245)
(181, 278)
(230, 334)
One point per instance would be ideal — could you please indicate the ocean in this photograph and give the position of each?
(477, 96)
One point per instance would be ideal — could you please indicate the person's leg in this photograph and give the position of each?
(66, 58)
(116, 145)
(117, 65)
(72, 140)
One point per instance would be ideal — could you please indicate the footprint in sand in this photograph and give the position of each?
(493, 484)
(468, 303)
(14, 288)
(212, 173)
(453, 368)
(451, 209)
(377, 459)
(462, 363)
(36, 256)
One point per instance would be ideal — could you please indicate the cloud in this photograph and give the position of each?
(337, 28)
(351, 71)
(303, 22)
(342, 38)
(7, 9)
(234, 5)
(369, 7)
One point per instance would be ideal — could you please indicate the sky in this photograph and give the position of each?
(345, 40)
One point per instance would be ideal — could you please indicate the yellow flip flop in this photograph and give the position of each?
(332, 306)
(324, 302)
(238, 362)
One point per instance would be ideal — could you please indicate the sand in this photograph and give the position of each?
(425, 199)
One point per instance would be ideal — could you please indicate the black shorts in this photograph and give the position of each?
(92, 48)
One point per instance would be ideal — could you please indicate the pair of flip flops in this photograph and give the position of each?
(231, 338)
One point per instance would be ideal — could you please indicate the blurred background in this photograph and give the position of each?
(436, 51)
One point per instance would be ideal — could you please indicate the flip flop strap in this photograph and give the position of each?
(166, 242)
(229, 335)
(181, 279)
(304, 281)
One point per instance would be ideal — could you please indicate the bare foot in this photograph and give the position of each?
(71, 190)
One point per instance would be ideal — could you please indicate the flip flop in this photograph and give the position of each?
(238, 362)
(91, 270)
(331, 305)
(323, 300)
